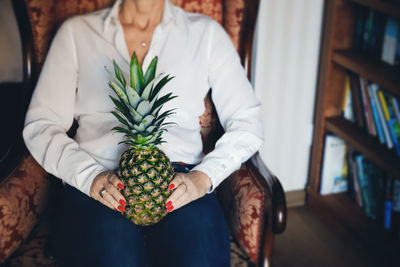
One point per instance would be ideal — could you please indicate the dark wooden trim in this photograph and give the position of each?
(337, 34)
(248, 27)
(370, 68)
(364, 143)
(29, 63)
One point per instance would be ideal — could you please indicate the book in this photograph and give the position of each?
(390, 40)
(377, 32)
(354, 178)
(374, 107)
(363, 184)
(362, 13)
(367, 30)
(374, 89)
(386, 116)
(347, 108)
(395, 134)
(357, 100)
(388, 204)
(396, 108)
(367, 108)
(334, 166)
(396, 196)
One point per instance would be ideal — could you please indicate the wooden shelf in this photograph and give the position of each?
(367, 145)
(386, 7)
(344, 215)
(384, 75)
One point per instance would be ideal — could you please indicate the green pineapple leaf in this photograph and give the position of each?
(136, 74)
(119, 75)
(122, 108)
(121, 120)
(133, 96)
(162, 100)
(144, 108)
(151, 71)
(120, 92)
(159, 86)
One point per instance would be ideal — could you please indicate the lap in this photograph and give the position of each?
(200, 230)
(94, 235)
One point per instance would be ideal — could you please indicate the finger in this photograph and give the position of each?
(178, 193)
(111, 200)
(116, 181)
(178, 179)
(105, 202)
(180, 202)
(115, 194)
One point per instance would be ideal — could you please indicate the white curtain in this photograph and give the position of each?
(285, 70)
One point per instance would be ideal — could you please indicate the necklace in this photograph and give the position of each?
(144, 44)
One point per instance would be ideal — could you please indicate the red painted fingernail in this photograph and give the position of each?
(170, 208)
(121, 209)
(169, 203)
(121, 186)
(123, 203)
(171, 186)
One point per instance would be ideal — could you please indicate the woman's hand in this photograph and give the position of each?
(105, 189)
(188, 187)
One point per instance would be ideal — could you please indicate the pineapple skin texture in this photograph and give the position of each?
(146, 174)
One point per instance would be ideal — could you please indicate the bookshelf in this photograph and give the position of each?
(337, 57)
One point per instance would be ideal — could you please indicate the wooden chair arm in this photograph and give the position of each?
(278, 214)
(255, 207)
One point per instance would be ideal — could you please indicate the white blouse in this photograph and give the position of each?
(73, 84)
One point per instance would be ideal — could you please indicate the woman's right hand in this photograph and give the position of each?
(108, 183)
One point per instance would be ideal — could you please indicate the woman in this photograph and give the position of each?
(73, 85)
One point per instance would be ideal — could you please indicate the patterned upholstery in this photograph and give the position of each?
(22, 195)
(22, 198)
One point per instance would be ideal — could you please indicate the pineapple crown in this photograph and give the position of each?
(138, 105)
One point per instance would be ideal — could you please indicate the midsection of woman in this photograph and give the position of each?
(74, 85)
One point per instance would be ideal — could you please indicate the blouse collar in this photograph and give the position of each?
(113, 14)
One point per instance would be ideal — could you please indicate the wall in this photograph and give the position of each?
(285, 76)
(10, 45)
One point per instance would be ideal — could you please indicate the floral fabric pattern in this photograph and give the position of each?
(22, 198)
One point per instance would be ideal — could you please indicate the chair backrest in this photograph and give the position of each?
(39, 19)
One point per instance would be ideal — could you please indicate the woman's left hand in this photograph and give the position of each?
(188, 187)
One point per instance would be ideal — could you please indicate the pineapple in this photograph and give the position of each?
(145, 170)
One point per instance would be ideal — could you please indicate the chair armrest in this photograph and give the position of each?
(279, 213)
(22, 198)
(253, 202)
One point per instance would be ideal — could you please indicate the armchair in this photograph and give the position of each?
(252, 198)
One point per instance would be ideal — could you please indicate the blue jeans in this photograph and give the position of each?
(90, 234)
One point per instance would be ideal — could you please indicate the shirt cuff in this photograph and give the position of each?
(217, 170)
(85, 184)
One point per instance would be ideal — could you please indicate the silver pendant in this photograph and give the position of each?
(144, 44)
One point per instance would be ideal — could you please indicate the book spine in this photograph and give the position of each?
(396, 109)
(390, 41)
(376, 115)
(360, 20)
(394, 134)
(386, 117)
(333, 179)
(357, 101)
(367, 110)
(396, 196)
(374, 89)
(356, 179)
(387, 214)
(347, 107)
(363, 184)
